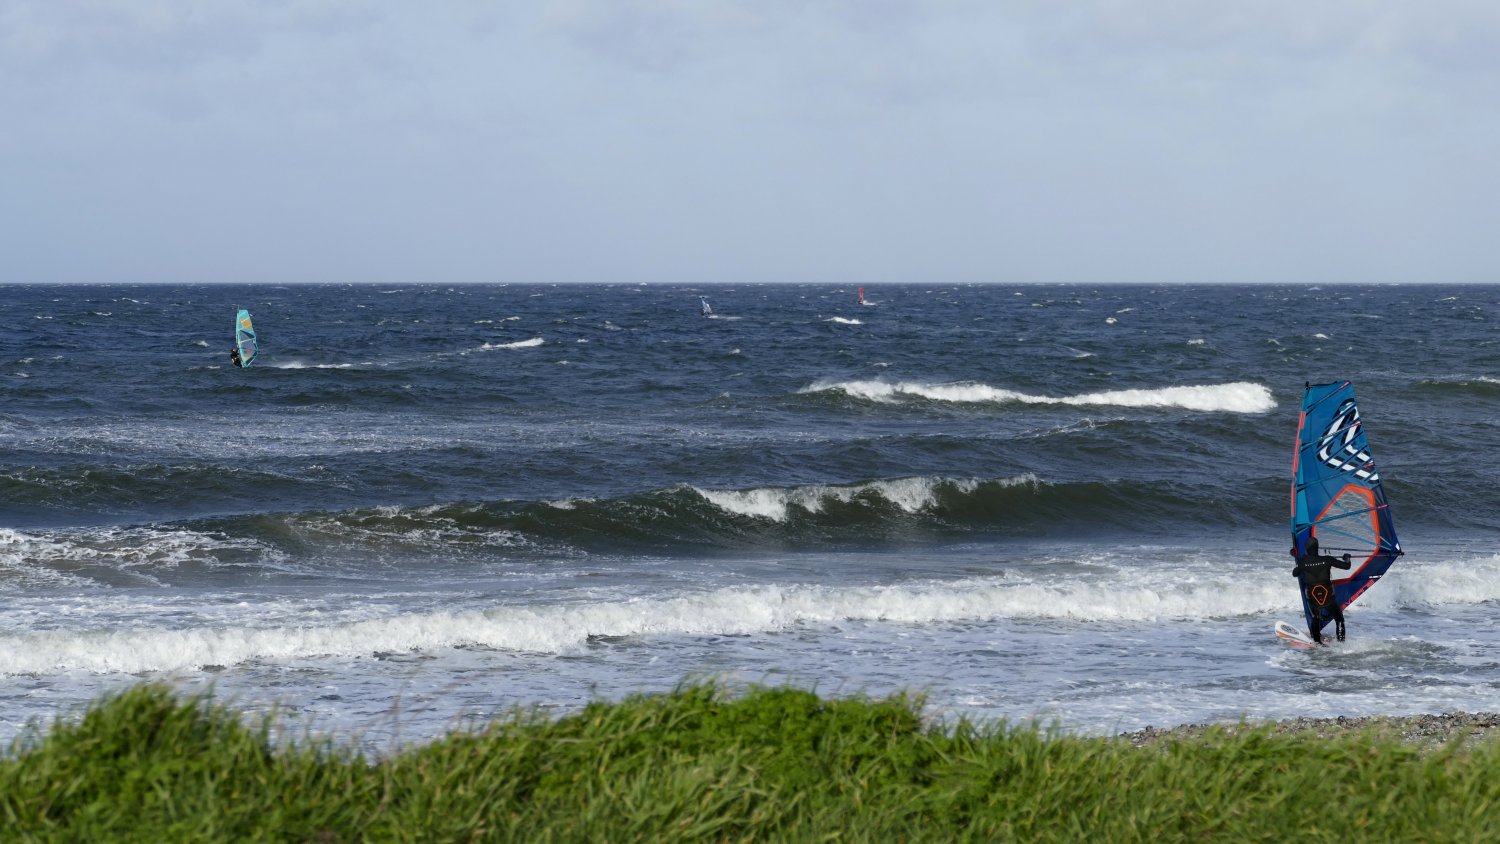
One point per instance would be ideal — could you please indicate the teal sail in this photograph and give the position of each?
(1337, 495)
(244, 338)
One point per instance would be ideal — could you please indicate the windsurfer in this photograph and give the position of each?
(1317, 583)
(234, 357)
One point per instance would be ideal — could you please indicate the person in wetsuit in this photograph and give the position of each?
(234, 357)
(1314, 570)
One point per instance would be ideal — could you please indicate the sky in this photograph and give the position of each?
(740, 141)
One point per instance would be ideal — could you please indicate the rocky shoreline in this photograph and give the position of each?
(1421, 730)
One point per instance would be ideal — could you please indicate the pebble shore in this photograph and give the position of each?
(1422, 730)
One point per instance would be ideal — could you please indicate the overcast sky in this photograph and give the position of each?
(698, 141)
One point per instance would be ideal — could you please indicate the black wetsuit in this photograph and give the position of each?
(234, 358)
(1317, 582)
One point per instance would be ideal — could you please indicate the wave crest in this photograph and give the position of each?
(910, 495)
(567, 628)
(519, 344)
(1236, 397)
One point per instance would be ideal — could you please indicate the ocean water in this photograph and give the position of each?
(428, 504)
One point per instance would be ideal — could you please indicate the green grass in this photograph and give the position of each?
(770, 764)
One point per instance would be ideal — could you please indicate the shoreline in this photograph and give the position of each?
(1424, 731)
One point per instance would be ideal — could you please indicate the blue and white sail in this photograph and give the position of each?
(1337, 495)
(244, 338)
(706, 308)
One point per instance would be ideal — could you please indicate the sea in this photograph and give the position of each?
(426, 506)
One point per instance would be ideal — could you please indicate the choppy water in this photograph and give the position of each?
(425, 503)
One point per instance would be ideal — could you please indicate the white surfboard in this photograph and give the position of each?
(1292, 636)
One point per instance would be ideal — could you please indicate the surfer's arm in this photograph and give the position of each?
(1336, 562)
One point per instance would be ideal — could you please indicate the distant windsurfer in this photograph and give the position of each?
(1314, 570)
(234, 357)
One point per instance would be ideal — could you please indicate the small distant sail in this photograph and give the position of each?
(244, 338)
(862, 296)
(1337, 495)
(707, 309)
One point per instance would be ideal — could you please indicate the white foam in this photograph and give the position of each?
(298, 364)
(1438, 584)
(429, 528)
(519, 344)
(775, 503)
(1197, 342)
(1237, 397)
(843, 321)
(49, 555)
(24, 557)
(765, 609)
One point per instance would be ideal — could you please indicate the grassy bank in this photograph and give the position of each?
(699, 764)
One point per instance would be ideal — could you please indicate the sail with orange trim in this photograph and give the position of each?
(1337, 495)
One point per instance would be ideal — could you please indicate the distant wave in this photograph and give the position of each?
(1237, 397)
(519, 344)
(844, 321)
(1484, 386)
(297, 364)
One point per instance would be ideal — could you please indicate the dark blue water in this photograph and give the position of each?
(1064, 502)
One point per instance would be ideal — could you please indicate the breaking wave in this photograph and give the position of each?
(689, 519)
(1108, 593)
(681, 519)
(1237, 397)
(767, 609)
(519, 344)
